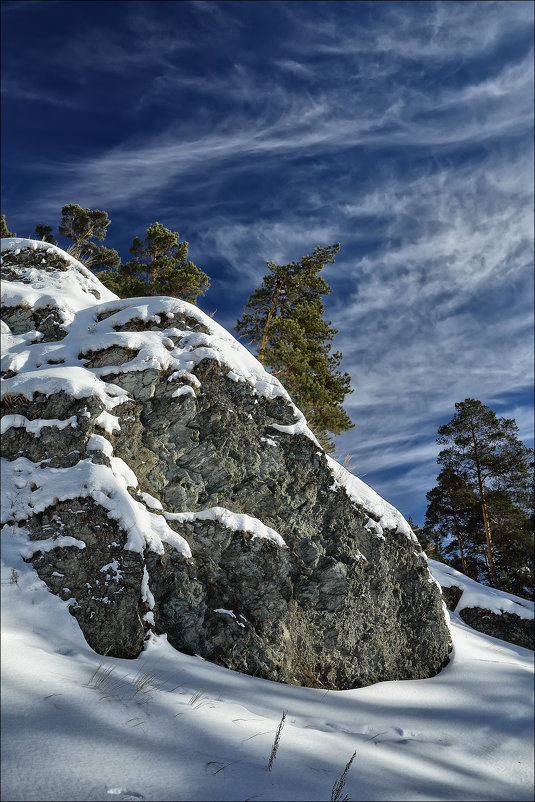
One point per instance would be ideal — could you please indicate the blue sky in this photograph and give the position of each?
(259, 130)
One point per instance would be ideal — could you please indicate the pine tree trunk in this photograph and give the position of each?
(486, 523)
(488, 534)
(460, 542)
(486, 558)
(265, 333)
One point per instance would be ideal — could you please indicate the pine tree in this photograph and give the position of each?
(485, 460)
(512, 528)
(284, 319)
(450, 511)
(100, 259)
(81, 226)
(45, 233)
(4, 230)
(159, 266)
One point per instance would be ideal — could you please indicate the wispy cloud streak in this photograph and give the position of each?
(402, 130)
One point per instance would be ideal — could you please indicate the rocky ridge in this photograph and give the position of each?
(166, 482)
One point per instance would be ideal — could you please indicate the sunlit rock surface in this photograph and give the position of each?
(167, 482)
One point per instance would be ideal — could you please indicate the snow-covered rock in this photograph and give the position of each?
(160, 480)
(488, 610)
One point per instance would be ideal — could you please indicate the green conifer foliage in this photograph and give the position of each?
(45, 233)
(450, 512)
(429, 540)
(283, 318)
(4, 230)
(99, 258)
(81, 226)
(159, 266)
(484, 498)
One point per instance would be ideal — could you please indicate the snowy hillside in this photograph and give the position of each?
(77, 726)
(476, 595)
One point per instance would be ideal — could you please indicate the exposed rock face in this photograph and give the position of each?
(166, 482)
(505, 626)
(103, 579)
(451, 596)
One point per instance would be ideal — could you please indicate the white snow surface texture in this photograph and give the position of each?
(197, 731)
(167, 726)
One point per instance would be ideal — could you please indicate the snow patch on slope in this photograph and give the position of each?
(466, 733)
(28, 489)
(236, 522)
(382, 514)
(476, 595)
(69, 290)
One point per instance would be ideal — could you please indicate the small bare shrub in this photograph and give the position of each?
(8, 399)
(345, 466)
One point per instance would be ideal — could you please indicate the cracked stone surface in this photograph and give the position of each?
(338, 606)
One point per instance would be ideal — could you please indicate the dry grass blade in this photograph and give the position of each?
(265, 732)
(276, 741)
(221, 765)
(377, 734)
(108, 685)
(197, 699)
(139, 688)
(338, 787)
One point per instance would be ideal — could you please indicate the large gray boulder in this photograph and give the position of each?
(166, 482)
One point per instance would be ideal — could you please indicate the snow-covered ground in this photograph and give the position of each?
(168, 726)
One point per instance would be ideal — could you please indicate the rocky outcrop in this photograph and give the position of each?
(166, 482)
(493, 612)
(505, 626)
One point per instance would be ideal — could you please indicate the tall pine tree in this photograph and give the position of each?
(484, 496)
(450, 512)
(283, 318)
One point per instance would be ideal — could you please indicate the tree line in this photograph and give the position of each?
(283, 318)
